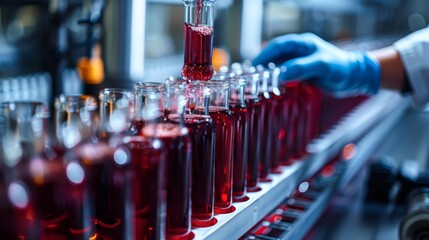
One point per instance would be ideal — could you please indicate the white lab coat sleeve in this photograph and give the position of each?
(414, 52)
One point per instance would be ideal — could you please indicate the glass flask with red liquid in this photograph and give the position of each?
(97, 173)
(198, 39)
(148, 187)
(254, 111)
(176, 145)
(304, 111)
(71, 130)
(223, 122)
(279, 116)
(267, 125)
(116, 111)
(143, 93)
(202, 134)
(313, 109)
(33, 177)
(238, 107)
(148, 156)
(289, 152)
(8, 228)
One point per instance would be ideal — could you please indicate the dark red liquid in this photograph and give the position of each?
(49, 198)
(267, 131)
(80, 203)
(303, 125)
(222, 119)
(314, 103)
(8, 226)
(254, 110)
(22, 226)
(15, 222)
(137, 125)
(198, 45)
(240, 149)
(279, 114)
(202, 134)
(177, 147)
(105, 193)
(289, 151)
(148, 187)
(333, 109)
(45, 215)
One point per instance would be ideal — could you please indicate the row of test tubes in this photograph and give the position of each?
(155, 162)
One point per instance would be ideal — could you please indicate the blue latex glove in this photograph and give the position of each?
(308, 57)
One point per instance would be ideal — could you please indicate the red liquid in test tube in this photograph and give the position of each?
(194, 114)
(176, 145)
(315, 100)
(239, 110)
(32, 200)
(267, 131)
(289, 149)
(222, 119)
(303, 125)
(279, 114)
(198, 52)
(240, 149)
(105, 191)
(202, 135)
(198, 40)
(148, 187)
(254, 108)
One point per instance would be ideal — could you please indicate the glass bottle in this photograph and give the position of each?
(75, 116)
(223, 122)
(148, 156)
(144, 93)
(238, 107)
(267, 125)
(254, 109)
(34, 180)
(314, 101)
(279, 114)
(202, 134)
(198, 39)
(116, 112)
(96, 173)
(291, 152)
(176, 144)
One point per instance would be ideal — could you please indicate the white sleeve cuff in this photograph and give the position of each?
(414, 52)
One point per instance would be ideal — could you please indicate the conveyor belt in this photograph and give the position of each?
(365, 126)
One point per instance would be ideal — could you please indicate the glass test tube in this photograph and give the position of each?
(198, 39)
(202, 134)
(223, 121)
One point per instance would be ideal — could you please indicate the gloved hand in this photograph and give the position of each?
(308, 57)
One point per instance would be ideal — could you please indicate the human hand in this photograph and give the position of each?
(308, 57)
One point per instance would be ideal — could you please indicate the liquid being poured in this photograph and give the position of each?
(199, 7)
(198, 44)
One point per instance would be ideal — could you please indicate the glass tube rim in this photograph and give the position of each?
(70, 102)
(106, 94)
(149, 87)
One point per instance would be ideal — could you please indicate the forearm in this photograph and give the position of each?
(392, 70)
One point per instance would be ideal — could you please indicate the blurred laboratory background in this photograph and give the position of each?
(41, 41)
